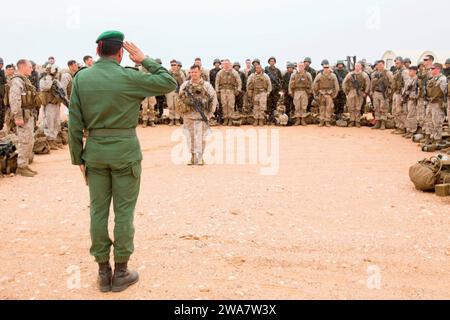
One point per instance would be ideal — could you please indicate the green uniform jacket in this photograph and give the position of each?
(108, 96)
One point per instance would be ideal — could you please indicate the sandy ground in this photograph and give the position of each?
(340, 220)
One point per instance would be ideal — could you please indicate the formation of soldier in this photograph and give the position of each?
(414, 98)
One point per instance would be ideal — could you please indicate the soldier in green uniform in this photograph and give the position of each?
(105, 101)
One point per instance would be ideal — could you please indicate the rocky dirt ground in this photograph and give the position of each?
(340, 220)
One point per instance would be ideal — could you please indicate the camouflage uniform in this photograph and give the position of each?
(51, 109)
(436, 89)
(300, 88)
(326, 88)
(20, 111)
(398, 109)
(356, 86)
(194, 127)
(422, 79)
(258, 88)
(228, 85)
(411, 94)
(148, 111)
(174, 114)
(379, 90)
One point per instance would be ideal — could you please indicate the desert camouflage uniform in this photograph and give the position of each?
(148, 109)
(51, 110)
(412, 95)
(25, 133)
(300, 88)
(228, 85)
(195, 128)
(422, 79)
(436, 89)
(399, 111)
(353, 83)
(174, 114)
(326, 88)
(379, 97)
(258, 88)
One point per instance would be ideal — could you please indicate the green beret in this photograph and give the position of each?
(111, 35)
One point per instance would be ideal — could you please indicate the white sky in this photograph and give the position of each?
(234, 29)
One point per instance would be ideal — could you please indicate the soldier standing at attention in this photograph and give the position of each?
(300, 89)
(228, 85)
(399, 111)
(436, 94)
(105, 101)
(326, 88)
(411, 96)
(258, 88)
(22, 101)
(288, 101)
(276, 78)
(379, 89)
(52, 104)
(174, 114)
(356, 86)
(197, 91)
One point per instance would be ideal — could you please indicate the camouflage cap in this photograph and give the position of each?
(272, 58)
(325, 62)
(217, 61)
(407, 60)
(111, 35)
(307, 59)
(447, 61)
(256, 61)
(179, 63)
(399, 59)
(236, 64)
(340, 62)
(158, 60)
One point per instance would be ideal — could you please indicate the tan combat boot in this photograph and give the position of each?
(192, 162)
(328, 124)
(358, 124)
(297, 122)
(32, 171)
(304, 122)
(172, 123)
(177, 122)
(25, 172)
(383, 125)
(144, 124)
(322, 123)
(377, 125)
(152, 124)
(351, 124)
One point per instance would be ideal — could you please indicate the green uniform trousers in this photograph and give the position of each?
(121, 184)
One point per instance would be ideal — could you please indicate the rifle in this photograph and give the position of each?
(198, 105)
(356, 85)
(381, 85)
(59, 92)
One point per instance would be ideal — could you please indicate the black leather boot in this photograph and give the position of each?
(104, 277)
(123, 278)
